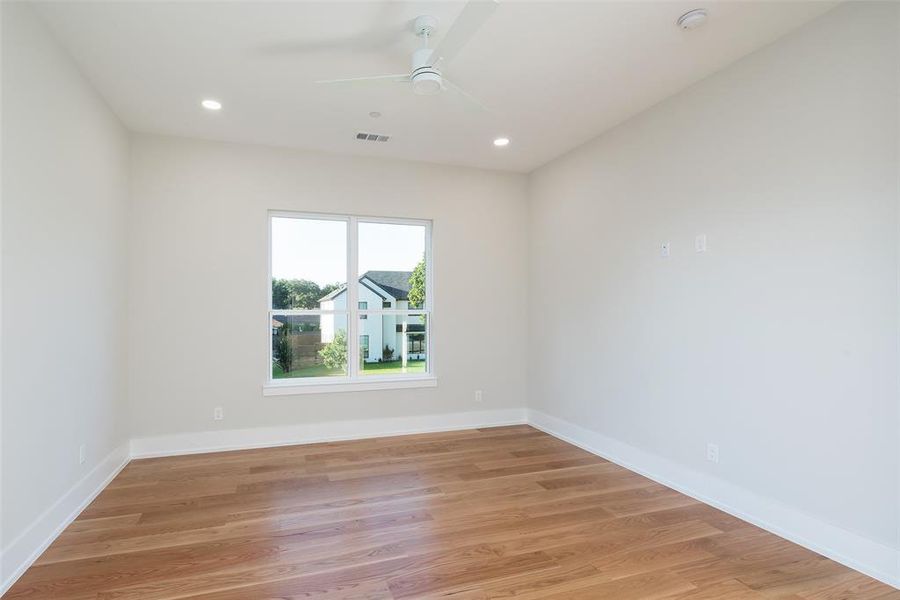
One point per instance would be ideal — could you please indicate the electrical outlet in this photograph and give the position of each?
(712, 452)
(478, 395)
(218, 413)
(664, 250)
(82, 454)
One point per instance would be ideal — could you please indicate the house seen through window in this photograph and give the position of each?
(318, 321)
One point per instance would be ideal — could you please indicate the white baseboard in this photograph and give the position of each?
(333, 431)
(21, 552)
(857, 552)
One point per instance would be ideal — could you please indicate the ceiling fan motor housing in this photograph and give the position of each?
(425, 78)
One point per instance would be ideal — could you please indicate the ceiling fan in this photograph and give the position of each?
(426, 75)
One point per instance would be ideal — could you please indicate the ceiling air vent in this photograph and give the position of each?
(372, 137)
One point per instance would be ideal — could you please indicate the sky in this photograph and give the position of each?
(317, 250)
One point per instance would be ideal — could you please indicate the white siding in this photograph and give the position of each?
(372, 326)
(381, 330)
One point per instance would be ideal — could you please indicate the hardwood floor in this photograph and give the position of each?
(506, 512)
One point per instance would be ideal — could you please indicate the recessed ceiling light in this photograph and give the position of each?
(692, 19)
(501, 141)
(374, 114)
(211, 104)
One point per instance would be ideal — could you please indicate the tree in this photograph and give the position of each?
(296, 294)
(284, 351)
(334, 354)
(417, 286)
(327, 289)
(281, 293)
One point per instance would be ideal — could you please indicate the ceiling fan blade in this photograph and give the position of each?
(387, 29)
(374, 41)
(466, 95)
(472, 17)
(399, 78)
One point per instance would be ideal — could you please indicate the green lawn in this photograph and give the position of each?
(383, 368)
(314, 371)
(393, 368)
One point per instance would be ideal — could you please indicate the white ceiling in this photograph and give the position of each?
(555, 74)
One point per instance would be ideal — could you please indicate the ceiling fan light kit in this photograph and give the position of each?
(426, 79)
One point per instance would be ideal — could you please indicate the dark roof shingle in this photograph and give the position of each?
(395, 283)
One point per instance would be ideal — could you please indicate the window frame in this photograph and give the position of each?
(354, 380)
(412, 341)
(364, 347)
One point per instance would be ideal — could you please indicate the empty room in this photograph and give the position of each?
(381, 300)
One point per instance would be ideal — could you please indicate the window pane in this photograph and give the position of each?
(392, 265)
(396, 344)
(309, 264)
(309, 346)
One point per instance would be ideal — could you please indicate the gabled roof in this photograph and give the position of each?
(395, 283)
(334, 293)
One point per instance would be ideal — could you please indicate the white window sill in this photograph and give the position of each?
(325, 387)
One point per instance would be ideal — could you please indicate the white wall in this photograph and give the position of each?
(64, 188)
(780, 343)
(198, 333)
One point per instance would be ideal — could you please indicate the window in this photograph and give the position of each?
(416, 343)
(317, 322)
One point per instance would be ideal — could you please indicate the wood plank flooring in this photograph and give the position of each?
(506, 512)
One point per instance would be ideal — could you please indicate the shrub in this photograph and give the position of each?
(283, 351)
(334, 354)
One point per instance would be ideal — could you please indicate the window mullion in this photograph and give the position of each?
(429, 290)
(429, 299)
(352, 299)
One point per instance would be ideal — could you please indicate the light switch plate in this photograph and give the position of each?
(700, 243)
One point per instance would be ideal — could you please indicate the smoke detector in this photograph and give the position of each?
(692, 19)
